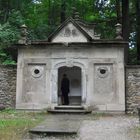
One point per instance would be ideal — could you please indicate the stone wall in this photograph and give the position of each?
(8, 85)
(132, 88)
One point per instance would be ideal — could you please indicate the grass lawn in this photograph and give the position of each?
(14, 124)
(138, 129)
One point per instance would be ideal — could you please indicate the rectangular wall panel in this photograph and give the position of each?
(104, 84)
(34, 83)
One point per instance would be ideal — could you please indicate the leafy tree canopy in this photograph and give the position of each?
(43, 16)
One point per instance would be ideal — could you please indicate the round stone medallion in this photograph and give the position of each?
(102, 72)
(37, 71)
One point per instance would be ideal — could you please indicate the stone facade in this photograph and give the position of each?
(94, 67)
(8, 86)
(102, 74)
(132, 89)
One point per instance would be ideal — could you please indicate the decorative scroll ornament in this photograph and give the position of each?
(118, 31)
(77, 16)
(23, 39)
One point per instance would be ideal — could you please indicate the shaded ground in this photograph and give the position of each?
(100, 127)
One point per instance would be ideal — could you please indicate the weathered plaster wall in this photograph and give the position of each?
(132, 88)
(91, 59)
(8, 86)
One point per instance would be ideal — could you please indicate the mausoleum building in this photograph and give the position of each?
(94, 67)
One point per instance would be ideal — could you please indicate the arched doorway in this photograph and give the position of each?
(75, 78)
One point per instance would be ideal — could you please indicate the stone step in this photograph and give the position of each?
(55, 111)
(57, 124)
(63, 107)
(52, 131)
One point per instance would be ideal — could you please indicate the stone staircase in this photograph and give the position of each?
(67, 120)
(69, 109)
(58, 124)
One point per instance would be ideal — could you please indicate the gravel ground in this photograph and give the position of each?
(104, 128)
(109, 128)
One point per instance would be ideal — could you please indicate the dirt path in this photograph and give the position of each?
(109, 128)
(103, 128)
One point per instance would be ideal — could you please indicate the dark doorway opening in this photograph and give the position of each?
(74, 76)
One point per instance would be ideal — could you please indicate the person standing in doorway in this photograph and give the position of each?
(65, 89)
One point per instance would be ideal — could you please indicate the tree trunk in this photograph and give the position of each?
(6, 10)
(138, 29)
(125, 25)
(118, 11)
(49, 12)
(63, 10)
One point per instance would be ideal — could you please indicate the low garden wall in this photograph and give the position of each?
(8, 87)
(132, 88)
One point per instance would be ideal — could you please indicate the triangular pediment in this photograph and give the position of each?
(69, 31)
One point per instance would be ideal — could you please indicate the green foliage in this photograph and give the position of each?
(15, 19)
(7, 34)
(9, 31)
(6, 58)
(132, 55)
(14, 124)
(43, 16)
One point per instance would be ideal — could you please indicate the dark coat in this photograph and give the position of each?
(65, 85)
